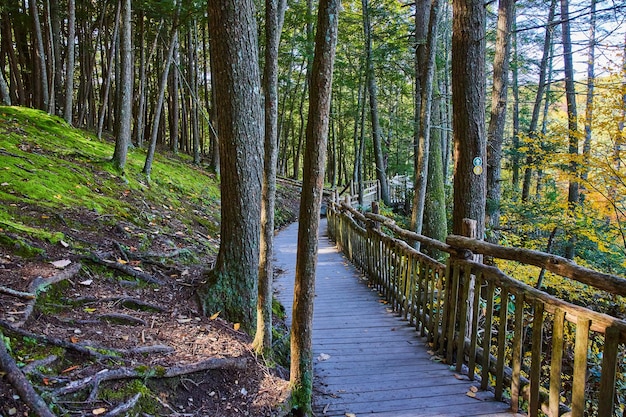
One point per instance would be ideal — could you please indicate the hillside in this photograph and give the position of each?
(97, 276)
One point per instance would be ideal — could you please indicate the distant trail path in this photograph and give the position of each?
(369, 361)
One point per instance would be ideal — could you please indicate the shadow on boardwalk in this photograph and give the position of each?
(369, 361)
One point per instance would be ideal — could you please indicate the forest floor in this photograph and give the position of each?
(104, 320)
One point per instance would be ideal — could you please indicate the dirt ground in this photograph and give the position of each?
(147, 337)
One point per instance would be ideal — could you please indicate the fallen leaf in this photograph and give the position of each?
(214, 316)
(350, 415)
(121, 261)
(474, 388)
(89, 309)
(323, 357)
(60, 264)
(183, 321)
(236, 326)
(64, 243)
(457, 376)
(99, 411)
(471, 394)
(43, 216)
(4, 184)
(46, 381)
(86, 282)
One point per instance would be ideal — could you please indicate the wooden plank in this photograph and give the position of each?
(580, 366)
(556, 363)
(609, 367)
(377, 363)
(516, 352)
(535, 367)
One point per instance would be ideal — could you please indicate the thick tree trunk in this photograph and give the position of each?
(372, 88)
(495, 131)
(70, 61)
(274, 14)
(468, 101)
(572, 124)
(5, 96)
(301, 375)
(232, 285)
(124, 130)
(515, 157)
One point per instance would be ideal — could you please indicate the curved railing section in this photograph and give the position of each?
(508, 335)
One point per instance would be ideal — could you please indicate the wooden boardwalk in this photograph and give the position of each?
(369, 361)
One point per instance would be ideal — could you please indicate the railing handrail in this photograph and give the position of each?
(444, 302)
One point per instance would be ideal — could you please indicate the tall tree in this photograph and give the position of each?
(301, 375)
(42, 79)
(232, 284)
(495, 131)
(372, 89)
(123, 139)
(591, 61)
(572, 123)
(274, 15)
(70, 61)
(425, 54)
(468, 122)
(541, 88)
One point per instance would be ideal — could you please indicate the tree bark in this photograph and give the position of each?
(5, 96)
(468, 101)
(495, 131)
(123, 139)
(274, 15)
(372, 88)
(232, 285)
(301, 376)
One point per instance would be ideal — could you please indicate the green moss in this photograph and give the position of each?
(117, 394)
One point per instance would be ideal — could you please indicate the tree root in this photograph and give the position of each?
(15, 293)
(128, 270)
(39, 284)
(94, 381)
(24, 388)
(123, 408)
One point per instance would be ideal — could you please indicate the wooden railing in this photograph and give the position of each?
(510, 336)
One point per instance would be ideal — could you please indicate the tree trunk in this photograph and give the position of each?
(515, 157)
(495, 132)
(124, 130)
(468, 100)
(274, 15)
(589, 99)
(572, 124)
(42, 77)
(70, 61)
(372, 88)
(435, 219)
(107, 81)
(301, 376)
(232, 285)
(147, 167)
(425, 67)
(5, 96)
(541, 87)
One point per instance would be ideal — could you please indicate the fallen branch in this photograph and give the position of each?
(40, 283)
(15, 293)
(128, 270)
(23, 387)
(126, 373)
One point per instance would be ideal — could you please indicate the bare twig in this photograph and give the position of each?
(123, 408)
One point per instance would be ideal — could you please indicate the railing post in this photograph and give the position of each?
(469, 228)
